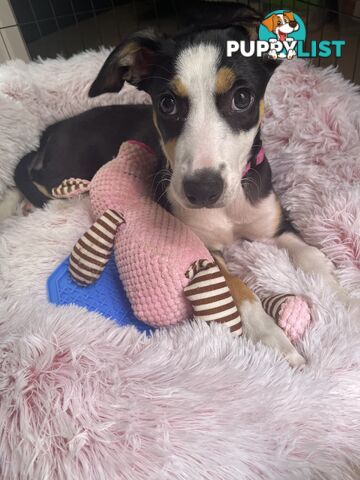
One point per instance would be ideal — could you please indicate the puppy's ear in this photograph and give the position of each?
(205, 14)
(132, 61)
(270, 22)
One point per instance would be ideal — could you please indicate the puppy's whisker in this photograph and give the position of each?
(161, 196)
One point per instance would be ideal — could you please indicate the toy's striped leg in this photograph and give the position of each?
(71, 187)
(210, 296)
(92, 251)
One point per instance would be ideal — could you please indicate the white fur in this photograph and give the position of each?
(206, 140)
(260, 327)
(220, 227)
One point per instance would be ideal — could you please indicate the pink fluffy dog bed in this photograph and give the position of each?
(83, 399)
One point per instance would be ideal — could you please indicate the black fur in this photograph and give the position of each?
(24, 182)
(79, 146)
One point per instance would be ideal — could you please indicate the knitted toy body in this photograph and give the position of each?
(153, 250)
(167, 272)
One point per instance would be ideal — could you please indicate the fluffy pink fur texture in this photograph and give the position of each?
(82, 399)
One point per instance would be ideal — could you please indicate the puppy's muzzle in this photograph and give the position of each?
(293, 24)
(203, 188)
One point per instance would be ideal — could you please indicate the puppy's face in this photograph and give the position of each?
(208, 113)
(207, 109)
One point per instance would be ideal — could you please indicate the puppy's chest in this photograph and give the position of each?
(220, 227)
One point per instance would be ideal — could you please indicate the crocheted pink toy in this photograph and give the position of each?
(157, 255)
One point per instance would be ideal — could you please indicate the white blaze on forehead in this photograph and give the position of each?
(197, 66)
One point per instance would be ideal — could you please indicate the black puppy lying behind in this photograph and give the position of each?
(79, 146)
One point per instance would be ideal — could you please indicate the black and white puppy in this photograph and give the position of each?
(205, 120)
(207, 109)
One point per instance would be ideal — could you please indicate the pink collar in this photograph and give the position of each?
(259, 159)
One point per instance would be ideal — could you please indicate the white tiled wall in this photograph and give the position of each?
(11, 42)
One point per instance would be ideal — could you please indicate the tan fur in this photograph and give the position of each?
(43, 190)
(225, 79)
(261, 110)
(129, 49)
(178, 87)
(169, 149)
(238, 289)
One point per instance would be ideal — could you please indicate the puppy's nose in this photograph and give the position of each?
(203, 188)
(292, 23)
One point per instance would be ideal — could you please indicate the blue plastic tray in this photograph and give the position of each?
(105, 296)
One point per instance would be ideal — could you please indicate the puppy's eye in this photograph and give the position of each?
(279, 23)
(167, 105)
(242, 99)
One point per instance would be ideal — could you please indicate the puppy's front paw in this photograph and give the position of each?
(295, 359)
(260, 327)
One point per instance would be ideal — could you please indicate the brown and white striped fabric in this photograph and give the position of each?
(92, 251)
(70, 187)
(210, 296)
(272, 304)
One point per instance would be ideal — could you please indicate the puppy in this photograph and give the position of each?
(281, 25)
(77, 147)
(205, 124)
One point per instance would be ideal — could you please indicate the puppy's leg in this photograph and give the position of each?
(312, 260)
(257, 324)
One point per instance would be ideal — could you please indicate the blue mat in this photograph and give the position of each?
(106, 296)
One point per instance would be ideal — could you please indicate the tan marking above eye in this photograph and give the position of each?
(225, 79)
(178, 87)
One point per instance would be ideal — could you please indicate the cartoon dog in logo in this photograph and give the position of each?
(281, 25)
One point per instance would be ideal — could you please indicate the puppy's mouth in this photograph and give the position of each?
(282, 36)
